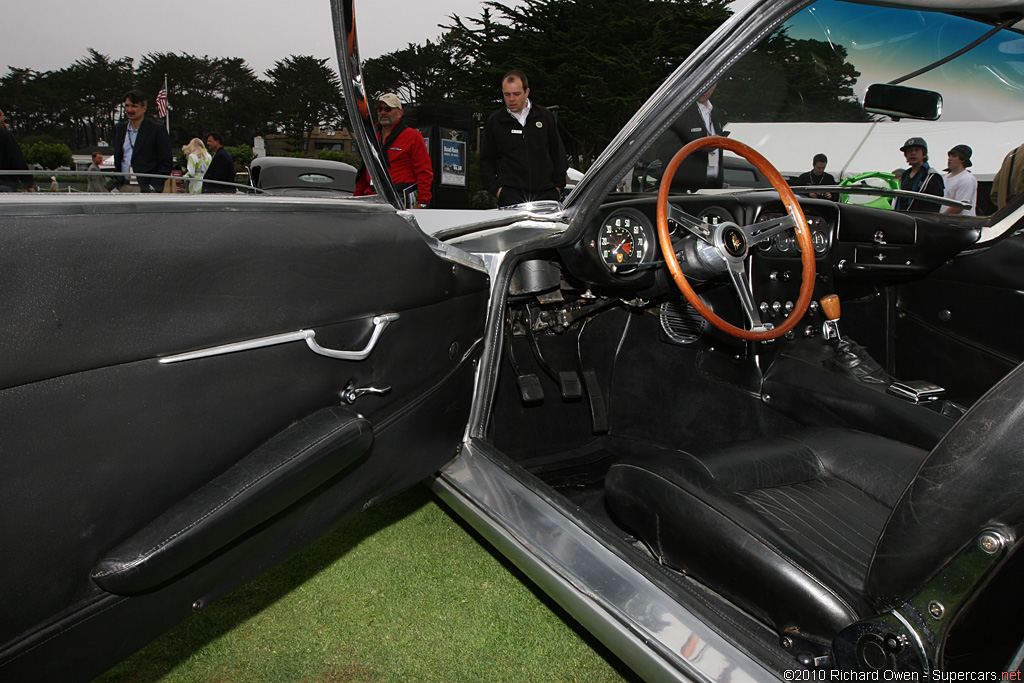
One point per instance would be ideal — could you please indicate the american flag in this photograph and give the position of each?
(162, 105)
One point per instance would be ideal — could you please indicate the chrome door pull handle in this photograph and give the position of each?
(350, 394)
(379, 323)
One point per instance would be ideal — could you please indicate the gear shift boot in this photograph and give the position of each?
(853, 360)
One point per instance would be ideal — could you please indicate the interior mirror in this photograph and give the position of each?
(901, 102)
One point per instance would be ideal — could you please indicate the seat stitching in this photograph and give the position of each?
(820, 540)
(809, 506)
(771, 546)
(807, 500)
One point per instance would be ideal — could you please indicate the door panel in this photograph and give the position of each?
(102, 442)
(959, 327)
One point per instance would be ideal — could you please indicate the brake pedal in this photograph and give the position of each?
(569, 385)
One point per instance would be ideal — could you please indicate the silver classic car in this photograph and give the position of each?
(739, 435)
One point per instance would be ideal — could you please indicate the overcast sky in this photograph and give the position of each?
(51, 34)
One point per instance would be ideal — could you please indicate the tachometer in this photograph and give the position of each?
(624, 237)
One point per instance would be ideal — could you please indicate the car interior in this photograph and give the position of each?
(729, 465)
(808, 435)
(800, 418)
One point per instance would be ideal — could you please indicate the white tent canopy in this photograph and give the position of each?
(854, 148)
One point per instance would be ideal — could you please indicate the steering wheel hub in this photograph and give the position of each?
(732, 240)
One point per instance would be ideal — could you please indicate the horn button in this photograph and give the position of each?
(730, 238)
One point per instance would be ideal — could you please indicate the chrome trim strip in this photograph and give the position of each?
(652, 633)
(379, 323)
(499, 219)
(357, 101)
(236, 346)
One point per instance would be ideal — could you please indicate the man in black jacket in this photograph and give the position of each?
(222, 167)
(703, 168)
(522, 158)
(817, 176)
(920, 177)
(140, 145)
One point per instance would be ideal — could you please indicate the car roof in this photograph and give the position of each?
(990, 11)
(273, 173)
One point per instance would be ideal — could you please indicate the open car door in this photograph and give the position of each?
(193, 390)
(191, 394)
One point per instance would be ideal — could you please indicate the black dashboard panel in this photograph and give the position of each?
(858, 249)
(620, 248)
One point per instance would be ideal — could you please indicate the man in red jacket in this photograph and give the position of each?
(405, 154)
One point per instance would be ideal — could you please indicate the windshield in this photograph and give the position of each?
(798, 94)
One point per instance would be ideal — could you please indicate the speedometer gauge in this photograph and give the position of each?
(624, 237)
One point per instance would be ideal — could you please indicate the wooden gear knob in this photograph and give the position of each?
(830, 306)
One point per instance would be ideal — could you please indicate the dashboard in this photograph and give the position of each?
(623, 241)
(857, 248)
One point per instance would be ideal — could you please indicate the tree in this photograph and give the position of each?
(242, 155)
(207, 94)
(811, 81)
(305, 93)
(598, 60)
(350, 158)
(87, 96)
(77, 104)
(49, 155)
(421, 73)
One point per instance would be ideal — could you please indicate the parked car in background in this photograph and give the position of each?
(302, 177)
(655, 406)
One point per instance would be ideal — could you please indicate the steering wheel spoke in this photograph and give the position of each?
(765, 230)
(738, 275)
(699, 229)
(733, 244)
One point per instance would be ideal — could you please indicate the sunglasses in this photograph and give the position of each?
(384, 107)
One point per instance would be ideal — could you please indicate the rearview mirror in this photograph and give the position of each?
(901, 102)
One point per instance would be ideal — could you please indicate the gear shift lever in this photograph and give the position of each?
(849, 357)
(831, 308)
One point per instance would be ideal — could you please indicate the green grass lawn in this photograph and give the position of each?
(404, 592)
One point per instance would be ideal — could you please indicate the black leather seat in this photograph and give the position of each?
(819, 529)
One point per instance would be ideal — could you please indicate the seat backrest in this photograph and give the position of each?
(973, 479)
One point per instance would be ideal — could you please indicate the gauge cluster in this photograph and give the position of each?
(621, 249)
(626, 237)
(785, 243)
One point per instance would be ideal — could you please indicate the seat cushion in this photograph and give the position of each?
(784, 527)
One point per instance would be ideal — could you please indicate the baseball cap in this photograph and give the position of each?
(964, 152)
(914, 142)
(390, 99)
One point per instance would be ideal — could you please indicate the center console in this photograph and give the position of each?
(805, 383)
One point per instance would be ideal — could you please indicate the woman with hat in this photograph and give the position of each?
(960, 183)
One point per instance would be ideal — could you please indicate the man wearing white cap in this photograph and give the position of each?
(405, 155)
(961, 183)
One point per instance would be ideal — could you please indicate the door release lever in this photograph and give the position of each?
(351, 393)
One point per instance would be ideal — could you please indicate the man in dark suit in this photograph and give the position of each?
(703, 168)
(222, 167)
(140, 145)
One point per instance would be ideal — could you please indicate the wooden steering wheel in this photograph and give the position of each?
(732, 243)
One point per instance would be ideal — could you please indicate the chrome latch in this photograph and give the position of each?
(350, 393)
